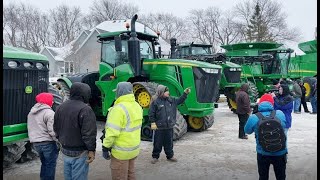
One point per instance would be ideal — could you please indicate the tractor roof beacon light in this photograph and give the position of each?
(127, 26)
(134, 48)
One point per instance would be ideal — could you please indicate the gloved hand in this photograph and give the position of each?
(106, 153)
(91, 156)
(154, 126)
(187, 90)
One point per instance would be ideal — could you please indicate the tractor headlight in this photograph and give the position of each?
(233, 69)
(27, 65)
(12, 64)
(211, 71)
(239, 69)
(39, 65)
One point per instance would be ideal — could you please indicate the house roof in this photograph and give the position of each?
(59, 54)
(120, 25)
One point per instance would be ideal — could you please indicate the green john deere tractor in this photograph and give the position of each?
(25, 74)
(305, 66)
(230, 78)
(131, 56)
(262, 63)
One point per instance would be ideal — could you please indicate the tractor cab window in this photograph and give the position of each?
(283, 59)
(185, 51)
(278, 64)
(110, 56)
(146, 49)
(201, 50)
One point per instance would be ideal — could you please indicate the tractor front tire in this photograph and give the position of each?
(180, 127)
(12, 153)
(29, 154)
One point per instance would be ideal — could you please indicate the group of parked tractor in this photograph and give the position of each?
(130, 56)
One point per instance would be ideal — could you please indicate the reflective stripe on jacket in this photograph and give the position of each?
(123, 128)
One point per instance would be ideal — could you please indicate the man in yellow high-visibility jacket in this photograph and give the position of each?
(122, 133)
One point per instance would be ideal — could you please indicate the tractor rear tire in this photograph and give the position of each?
(208, 121)
(308, 83)
(12, 153)
(29, 154)
(231, 103)
(180, 127)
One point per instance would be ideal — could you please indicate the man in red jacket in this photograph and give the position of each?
(243, 108)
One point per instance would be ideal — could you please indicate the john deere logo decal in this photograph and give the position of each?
(28, 89)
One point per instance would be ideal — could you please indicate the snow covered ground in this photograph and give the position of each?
(214, 154)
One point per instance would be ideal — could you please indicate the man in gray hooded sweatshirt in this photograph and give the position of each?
(162, 114)
(42, 136)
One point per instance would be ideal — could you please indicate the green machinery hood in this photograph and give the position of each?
(249, 49)
(19, 53)
(182, 62)
(308, 47)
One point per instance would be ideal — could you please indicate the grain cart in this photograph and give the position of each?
(230, 78)
(305, 66)
(130, 56)
(262, 62)
(25, 74)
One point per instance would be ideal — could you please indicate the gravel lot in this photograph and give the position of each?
(214, 154)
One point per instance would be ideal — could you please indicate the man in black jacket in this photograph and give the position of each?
(303, 98)
(162, 114)
(76, 129)
(243, 108)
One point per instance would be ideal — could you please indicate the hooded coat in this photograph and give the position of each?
(243, 100)
(40, 119)
(284, 103)
(123, 126)
(163, 110)
(75, 121)
(265, 108)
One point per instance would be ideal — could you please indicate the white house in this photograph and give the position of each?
(83, 54)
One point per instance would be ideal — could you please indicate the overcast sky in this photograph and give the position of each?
(300, 13)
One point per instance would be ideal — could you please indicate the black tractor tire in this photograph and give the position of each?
(180, 128)
(208, 121)
(29, 154)
(253, 92)
(12, 153)
(308, 83)
(230, 102)
(150, 87)
(57, 98)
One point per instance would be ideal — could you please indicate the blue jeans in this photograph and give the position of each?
(314, 103)
(48, 153)
(76, 168)
(297, 102)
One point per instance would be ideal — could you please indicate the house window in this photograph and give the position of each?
(68, 67)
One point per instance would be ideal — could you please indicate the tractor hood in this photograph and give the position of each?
(181, 62)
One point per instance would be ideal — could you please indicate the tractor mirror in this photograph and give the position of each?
(117, 43)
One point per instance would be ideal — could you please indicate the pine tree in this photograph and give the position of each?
(257, 30)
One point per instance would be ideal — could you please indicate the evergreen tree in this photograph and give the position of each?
(257, 30)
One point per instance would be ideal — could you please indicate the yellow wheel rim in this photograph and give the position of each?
(308, 88)
(136, 87)
(233, 104)
(195, 122)
(144, 99)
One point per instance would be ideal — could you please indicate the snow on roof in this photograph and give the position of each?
(120, 25)
(59, 54)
